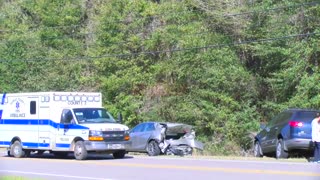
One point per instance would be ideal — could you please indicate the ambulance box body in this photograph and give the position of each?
(61, 123)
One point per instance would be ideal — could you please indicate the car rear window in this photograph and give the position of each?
(304, 115)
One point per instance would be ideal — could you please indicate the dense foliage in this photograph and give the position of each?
(222, 66)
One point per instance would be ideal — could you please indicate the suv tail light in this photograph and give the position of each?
(295, 124)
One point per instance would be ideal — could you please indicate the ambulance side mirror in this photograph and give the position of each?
(66, 116)
(64, 120)
(120, 118)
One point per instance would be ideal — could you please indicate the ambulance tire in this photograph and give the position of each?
(40, 152)
(8, 154)
(80, 152)
(119, 154)
(16, 150)
(27, 153)
(61, 155)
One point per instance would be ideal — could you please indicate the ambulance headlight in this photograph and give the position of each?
(95, 133)
(126, 135)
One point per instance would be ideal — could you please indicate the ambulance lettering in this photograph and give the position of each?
(19, 106)
(77, 102)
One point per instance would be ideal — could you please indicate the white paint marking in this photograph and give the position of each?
(55, 175)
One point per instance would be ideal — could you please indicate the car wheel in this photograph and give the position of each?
(16, 150)
(189, 151)
(153, 148)
(183, 150)
(280, 152)
(257, 151)
(80, 152)
(119, 154)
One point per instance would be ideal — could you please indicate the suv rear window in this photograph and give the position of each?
(304, 115)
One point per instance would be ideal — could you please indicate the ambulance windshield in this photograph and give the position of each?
(93, 115)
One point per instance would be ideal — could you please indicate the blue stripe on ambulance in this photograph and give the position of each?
(42, 122)
(36, 145)
(2, 103)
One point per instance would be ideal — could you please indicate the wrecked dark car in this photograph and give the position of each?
(157, 138)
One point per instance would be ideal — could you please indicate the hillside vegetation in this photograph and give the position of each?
(223, 66)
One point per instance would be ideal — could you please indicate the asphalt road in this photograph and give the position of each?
(155, 168)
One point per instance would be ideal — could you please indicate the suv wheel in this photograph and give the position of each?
(280, 152)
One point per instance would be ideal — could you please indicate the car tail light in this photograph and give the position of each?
(295, 124)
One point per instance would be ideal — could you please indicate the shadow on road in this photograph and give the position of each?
(71, 157)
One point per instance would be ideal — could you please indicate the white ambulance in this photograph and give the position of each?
(60, 123)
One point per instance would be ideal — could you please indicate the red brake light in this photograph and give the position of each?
(295, 124)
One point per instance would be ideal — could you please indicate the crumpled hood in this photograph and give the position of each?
(106, 126)
(174, 128)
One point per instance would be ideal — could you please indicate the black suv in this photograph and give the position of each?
(287, 133)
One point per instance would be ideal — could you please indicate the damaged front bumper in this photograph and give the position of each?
(180, 147)
(183, 145)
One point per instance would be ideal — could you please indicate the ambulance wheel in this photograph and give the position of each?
(40, 152)
(8, 153)
(80, 152)
(119, 154)
(61, 154)
(27, 153)
(16, 150)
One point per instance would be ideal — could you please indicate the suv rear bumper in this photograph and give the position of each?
(299, 144)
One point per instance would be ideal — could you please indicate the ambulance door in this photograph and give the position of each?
(31, 138)
(64, 131)
(45, 123)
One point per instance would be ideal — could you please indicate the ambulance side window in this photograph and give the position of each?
(33, 107)
(66, 116)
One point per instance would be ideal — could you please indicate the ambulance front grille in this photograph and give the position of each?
(113, 135)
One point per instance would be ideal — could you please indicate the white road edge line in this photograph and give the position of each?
(55, 175)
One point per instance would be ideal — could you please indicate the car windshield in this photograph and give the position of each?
(93, 115)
